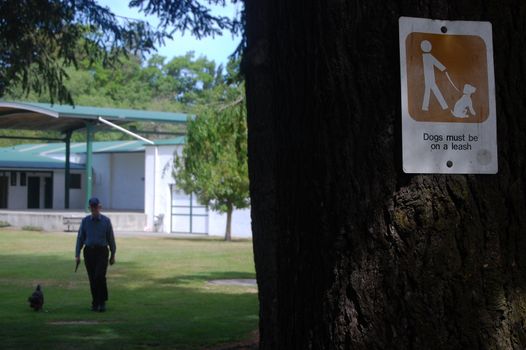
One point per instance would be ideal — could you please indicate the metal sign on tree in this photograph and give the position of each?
(449, 122)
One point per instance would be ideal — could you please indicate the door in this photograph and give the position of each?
(33, 192)
(3, 192)
(48, 193)
(188, 216)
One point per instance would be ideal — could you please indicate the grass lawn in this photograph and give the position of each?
(159, 297)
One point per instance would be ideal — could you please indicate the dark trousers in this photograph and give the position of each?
(96, 261)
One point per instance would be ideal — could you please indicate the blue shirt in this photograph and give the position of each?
(95, 231)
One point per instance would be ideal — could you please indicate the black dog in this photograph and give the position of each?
(36, 300)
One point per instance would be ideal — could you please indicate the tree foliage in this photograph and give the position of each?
(39, 39)
(193, 15)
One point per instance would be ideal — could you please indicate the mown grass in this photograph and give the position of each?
(159, 295)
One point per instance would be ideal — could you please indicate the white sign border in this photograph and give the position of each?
(425, 161)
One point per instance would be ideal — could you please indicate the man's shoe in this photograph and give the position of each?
(102, 308)
(94, 308)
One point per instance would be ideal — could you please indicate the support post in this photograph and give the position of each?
(89, 161)
(67, 170)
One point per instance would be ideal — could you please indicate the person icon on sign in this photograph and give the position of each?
(430, 62)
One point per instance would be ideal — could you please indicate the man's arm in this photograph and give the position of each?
(81, 238)
(111, 242)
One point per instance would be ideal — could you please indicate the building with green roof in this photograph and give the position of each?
(133, 176)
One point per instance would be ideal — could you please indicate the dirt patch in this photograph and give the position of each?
(234, 282)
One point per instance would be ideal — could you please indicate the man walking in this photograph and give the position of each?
(96, 235)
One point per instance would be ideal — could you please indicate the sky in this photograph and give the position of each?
(217, 49)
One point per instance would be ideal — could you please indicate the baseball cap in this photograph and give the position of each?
(94, 201)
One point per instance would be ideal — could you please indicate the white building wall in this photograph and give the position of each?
(127, 181)
(118, 180)
(241, 223)
(102, 170)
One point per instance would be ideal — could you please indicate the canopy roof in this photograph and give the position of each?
(55, 148)
(51, 155)
(16, 160)
(63, 118)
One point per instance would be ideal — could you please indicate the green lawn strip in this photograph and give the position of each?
(159, 295)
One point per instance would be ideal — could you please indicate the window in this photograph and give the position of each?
(74, 181)
(22, 179)
(13, 178)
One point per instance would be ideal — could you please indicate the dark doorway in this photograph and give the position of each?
(33, 192)
(48, 193)
(3, 192)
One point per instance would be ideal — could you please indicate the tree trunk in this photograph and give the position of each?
(228, 230)
(350, 252)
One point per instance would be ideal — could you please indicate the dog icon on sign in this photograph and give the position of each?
(465, 105)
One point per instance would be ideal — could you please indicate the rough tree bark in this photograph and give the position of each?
(350, 252)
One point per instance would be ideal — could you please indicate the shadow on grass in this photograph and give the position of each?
(143, 311)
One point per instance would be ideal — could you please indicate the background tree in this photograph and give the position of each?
(192, 77)
(351, 253)
(213, 164)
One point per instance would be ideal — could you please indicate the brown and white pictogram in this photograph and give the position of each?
(447, 96)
